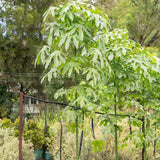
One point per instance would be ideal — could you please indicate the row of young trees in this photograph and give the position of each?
(21, 27)
(116, 71)
(22, 33)
(109, 71)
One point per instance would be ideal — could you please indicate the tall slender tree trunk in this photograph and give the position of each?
(155, 136)
(76, 122)
(77, 147)
(116, 141)
(144, 156)
(144, 136)
(115, 113)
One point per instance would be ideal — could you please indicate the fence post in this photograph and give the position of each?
(20, 124)
(61, 132)
(144, 157)
(155, 136)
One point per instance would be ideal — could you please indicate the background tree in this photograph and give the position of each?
(21, 36)
(141, 18)
(20, 39)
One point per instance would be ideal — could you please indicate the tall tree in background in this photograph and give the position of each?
(21, 37)
(140, 17)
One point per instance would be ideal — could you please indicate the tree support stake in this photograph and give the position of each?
(61, 132)
(81, 140)
(20, 125)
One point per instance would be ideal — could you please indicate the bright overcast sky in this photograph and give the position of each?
(1, 3)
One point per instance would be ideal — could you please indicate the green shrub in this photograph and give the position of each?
(6, 123)
(126, 151)
(9, 147)
(16, 127)
(33, 133)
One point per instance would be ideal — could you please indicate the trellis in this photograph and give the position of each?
(23, 97)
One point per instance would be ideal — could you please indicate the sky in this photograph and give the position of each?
(1, 3)
(2, 23)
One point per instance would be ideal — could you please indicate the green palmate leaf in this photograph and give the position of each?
(97, 56)
(70, 66)
(69, 115)
(81, 100)
(50, 37)
(71, 16)
(97, 21)
(92, 73)
(62, 40)
(74, 28)
(72, 127)
(80, 33)
(42, 55)
(136, 122)
(76, 42)
(90, 91)
(67, 43)
(51, 11)
(110, 57)
(60, 93)
(49, 76)
(58, 58)
(98, 145)
(52, 72)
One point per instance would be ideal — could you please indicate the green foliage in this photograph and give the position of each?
(5, 101)
(9, 146)
(80, 35)
(140, 18)
(6, 123)
(117, 72)
(98, 145)
(21, 29)
(33, 133)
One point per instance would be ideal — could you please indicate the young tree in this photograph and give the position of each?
(74, 38)
(81, 47)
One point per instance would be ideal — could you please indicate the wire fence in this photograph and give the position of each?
(24, 97)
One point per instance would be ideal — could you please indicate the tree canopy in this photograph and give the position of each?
(81, 43)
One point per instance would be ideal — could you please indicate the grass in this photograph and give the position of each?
(126, 151)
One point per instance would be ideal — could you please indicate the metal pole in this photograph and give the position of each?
(92, 128)
(130, 127)
(115, 125)
(61, 132)
(20, 125)
(155, 136)
(81, 140)
(77, 147)
(45, 127)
